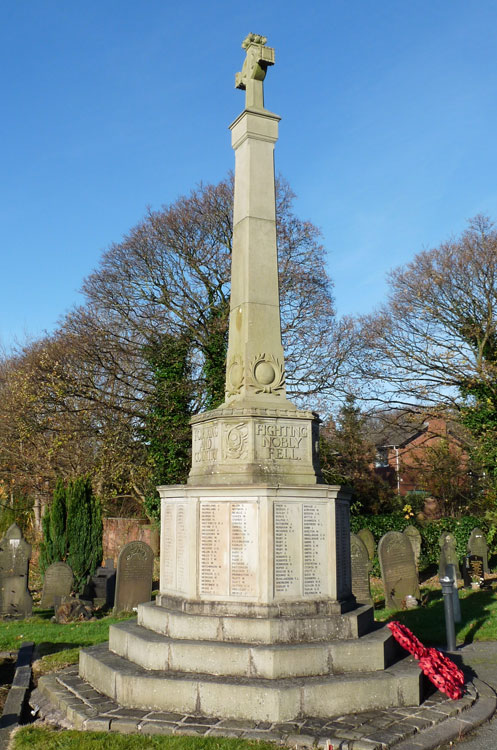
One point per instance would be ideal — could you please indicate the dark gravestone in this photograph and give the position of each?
(477, 545)
(57, 584)
(15, 553)
(448, 554)
(398, 569)
(368, 539)
(100, 588)
(360, 570)
(134, 576)
(414, 537)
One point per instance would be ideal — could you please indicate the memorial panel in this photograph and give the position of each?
(214, 548)
(288, 549)
(168, 550)
(244, 549)
(315, 552)
(182, 567)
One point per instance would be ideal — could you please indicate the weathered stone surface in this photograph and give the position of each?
(448, 553)
(134, 576)
(360, 570)
(157, 652)
(214, 550)
(477, 545)
(250, 698)
(57, 582)
(398, 569)
(412, 533)
(367, 538)
(15, 553)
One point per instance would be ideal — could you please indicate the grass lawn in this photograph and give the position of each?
(478, 613)
(56, 645)
(50, 739)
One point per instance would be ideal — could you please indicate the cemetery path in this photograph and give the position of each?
(482, 658)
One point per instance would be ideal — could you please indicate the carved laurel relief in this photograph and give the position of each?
(235, 376)
(235, 440)
(267, 374)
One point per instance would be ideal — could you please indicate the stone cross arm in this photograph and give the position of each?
(258, 58)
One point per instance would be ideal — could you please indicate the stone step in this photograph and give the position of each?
(182, 625)
(153, 651)
(256, 699)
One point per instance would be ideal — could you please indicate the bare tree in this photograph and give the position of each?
(438, 331)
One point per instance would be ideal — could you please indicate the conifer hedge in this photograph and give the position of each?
(72, 530)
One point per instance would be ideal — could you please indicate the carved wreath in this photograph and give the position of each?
(267, 374)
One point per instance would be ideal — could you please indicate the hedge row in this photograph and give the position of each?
(430, 534)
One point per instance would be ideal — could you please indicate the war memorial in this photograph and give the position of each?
(255, 618)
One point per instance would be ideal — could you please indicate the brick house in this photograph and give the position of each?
(401, 450)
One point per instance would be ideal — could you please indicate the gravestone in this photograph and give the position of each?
(134, 576)
(57, 584)
(100, 588)
(360, 570)
(15, 553)
(368, 540)
(477, 545)
(448, 554)
(414, 537)
(398, 569)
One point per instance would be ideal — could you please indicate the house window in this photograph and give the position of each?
(381, 458)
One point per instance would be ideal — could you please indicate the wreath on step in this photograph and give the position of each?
(441, 670)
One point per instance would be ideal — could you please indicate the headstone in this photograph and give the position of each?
(134, 576)
(477, 545)
(100, 588)
(15, 553)
(398, 569)
(368, 539)
(414, 537)
(360, 570)
(57, 582)
(448, 553)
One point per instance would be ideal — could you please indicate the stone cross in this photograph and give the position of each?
(254, 70)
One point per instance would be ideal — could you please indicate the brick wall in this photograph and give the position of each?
(120, 531)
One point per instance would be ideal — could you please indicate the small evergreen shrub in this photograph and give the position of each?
(84, 530)
(72, 530)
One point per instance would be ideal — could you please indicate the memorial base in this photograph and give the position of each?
(173, 661)
(255, 550)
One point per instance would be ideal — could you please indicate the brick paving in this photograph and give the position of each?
(65, 699)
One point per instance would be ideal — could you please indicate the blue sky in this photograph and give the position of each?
(388, 132)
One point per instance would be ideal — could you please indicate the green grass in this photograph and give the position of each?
(51, 739)
(56, 645)
(478, 612)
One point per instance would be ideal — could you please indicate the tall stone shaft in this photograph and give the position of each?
(257, 435)
(255, 370)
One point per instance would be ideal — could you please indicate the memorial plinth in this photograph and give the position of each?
(255, 618)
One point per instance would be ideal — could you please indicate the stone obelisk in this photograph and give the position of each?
(255, 618)
(257, 435)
